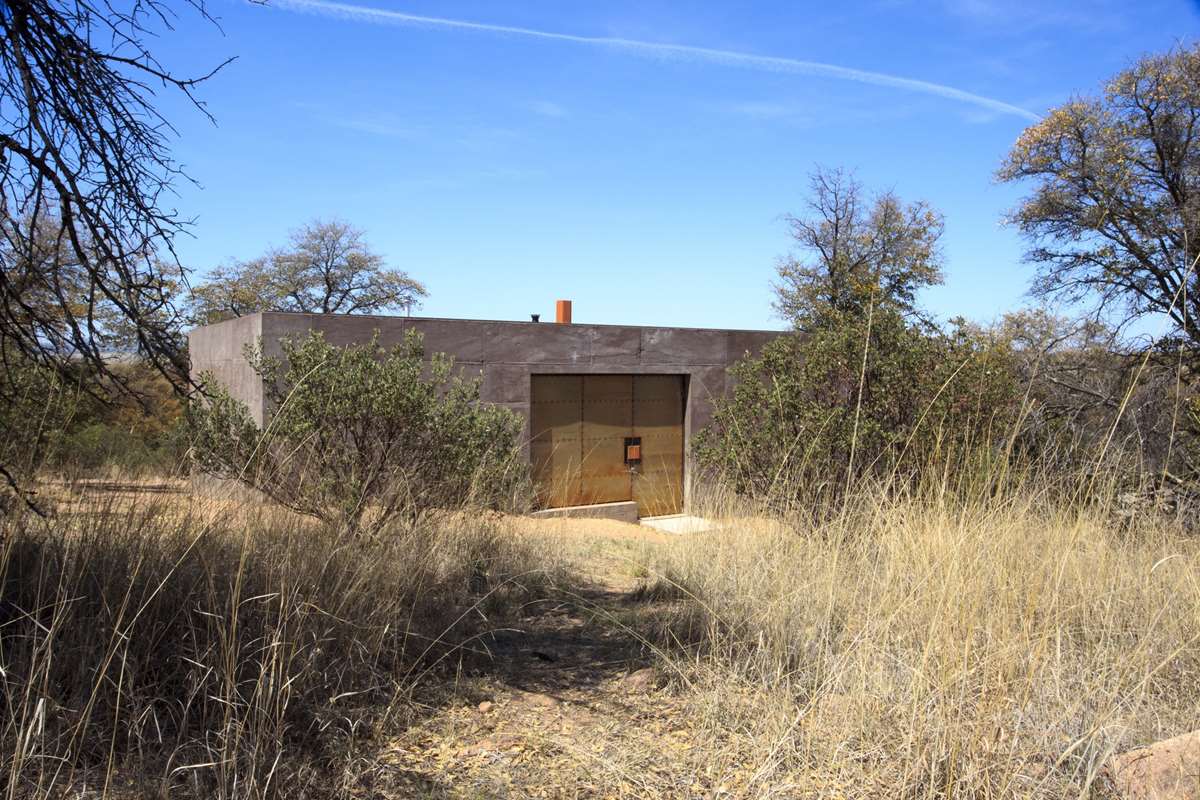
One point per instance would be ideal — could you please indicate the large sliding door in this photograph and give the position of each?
(556, 438)
(658, 402)
(607, 420)
(608, 438)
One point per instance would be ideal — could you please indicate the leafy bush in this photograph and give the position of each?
(95, 445)
(35, 404)
(857, 395)
(358, 436)
(68, 422)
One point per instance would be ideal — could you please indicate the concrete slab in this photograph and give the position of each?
(530, 343)
(622, 512)
(707, 385)
(616, 346)
(741, 344)
(679, 523)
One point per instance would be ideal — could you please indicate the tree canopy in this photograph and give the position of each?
(84, 154)
(86, 233)
(855, 249)
(1114, 216)
(327, 268)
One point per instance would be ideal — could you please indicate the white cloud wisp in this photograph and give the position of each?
(658, 50)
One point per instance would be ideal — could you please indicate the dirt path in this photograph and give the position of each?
(570, 706)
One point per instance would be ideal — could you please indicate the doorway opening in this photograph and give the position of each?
(608, 439)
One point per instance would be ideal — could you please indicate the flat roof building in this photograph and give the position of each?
(610, 410)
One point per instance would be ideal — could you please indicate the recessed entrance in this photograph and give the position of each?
(607, 439)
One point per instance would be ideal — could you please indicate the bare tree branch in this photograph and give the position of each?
(87, 262)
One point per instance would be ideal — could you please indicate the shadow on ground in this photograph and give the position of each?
(546, 707)
(567, 643)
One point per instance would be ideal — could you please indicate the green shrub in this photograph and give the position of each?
(36, 404)
(72, 424)
(357, 436)
(857, 396)
(97, 444)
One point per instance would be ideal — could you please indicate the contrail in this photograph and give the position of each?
(660, 50)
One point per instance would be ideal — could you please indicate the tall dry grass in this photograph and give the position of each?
(941, 646)
(154, 649)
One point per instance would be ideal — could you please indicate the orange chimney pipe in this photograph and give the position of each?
(562, 312)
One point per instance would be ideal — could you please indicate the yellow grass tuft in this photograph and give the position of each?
(164, 646)
(939, 648)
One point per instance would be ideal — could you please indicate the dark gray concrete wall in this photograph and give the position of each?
(503, 354)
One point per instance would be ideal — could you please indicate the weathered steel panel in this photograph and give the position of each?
(579, 428)
(607, 421)
(658, 408)
(555, 446)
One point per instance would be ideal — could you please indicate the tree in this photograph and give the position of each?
(1093, 401)
(327, 269)
(45, 270)
(857, 250)
(858, 397)
(84, 153)
(359, 436)
(865, 386)
(38, 403)
(1114, 216)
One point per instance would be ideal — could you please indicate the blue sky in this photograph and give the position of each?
(635, 157)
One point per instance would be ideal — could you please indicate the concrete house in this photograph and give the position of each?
(610, 409)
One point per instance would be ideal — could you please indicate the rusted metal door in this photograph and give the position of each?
(581, 426)
(607, 420)
(658, 404)
(555, 438)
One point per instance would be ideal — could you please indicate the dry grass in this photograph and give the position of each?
(157, 644)
(169, 646)
(935, 648)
